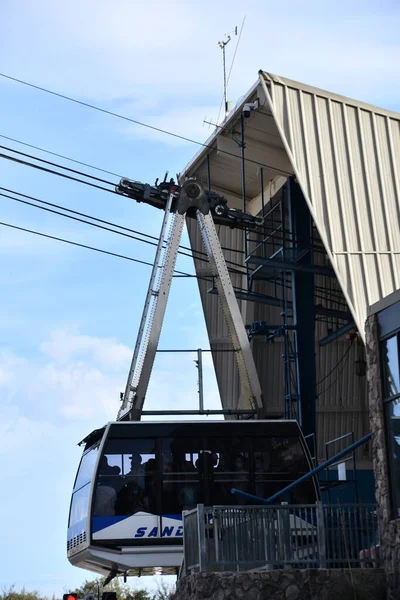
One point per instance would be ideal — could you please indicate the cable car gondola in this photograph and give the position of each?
(135, 479)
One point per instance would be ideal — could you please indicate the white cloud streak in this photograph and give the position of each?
(159, 62)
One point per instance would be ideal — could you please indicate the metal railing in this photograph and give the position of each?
(242, 538)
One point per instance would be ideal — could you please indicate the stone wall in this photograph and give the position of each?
(309, 584)
(389, 528)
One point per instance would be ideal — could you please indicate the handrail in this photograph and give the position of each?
(305, 477)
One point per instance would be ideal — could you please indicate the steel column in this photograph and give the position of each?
(303, 308)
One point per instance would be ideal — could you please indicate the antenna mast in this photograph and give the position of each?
(223, 45)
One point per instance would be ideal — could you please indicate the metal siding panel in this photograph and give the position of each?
(313, 157)
(328, 209)
(361, 224)
(346, 156)
(277, 93)
(346, 199)
(346, 207)
(295, 124)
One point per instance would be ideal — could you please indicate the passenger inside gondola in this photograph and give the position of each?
(240, 476)
(187, 481)
(150, 468)
(221, 484)
(180, 480)
(106, 469)
(106, 493)
(136, 472)
(133, 495)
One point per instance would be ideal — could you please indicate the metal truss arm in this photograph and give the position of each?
(191, 197)
(152, 317)
(250, 389)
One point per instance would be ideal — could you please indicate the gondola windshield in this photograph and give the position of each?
(81, 492)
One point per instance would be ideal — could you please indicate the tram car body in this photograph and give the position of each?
(135, 479)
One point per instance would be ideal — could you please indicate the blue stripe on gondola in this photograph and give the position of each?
(99, 523)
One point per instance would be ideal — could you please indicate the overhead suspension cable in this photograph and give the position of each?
(141, 123)
(64, 175)
(235, 264)
(97, 179)
(262, 228)
(88, 176)
(81, 214)
(51, 171)
(345, 355)
(84, 220)
(74, 160)
(101, 180)
(53, 164)
(88, 183)
(130, 258)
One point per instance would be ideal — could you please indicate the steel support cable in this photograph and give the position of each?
(335, 380)
(340, 302)
(141, 123)
(151, 243)
(146, 235)
(112, 191)
(64, 175)
(87, 175)
(57, 165)
(266, 230)
(53, 164)
(261, 228)
(81, 214)
(130, 258)
(345, 355)
(78, 162)
(178, 273)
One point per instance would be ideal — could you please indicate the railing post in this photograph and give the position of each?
(202, 538)
(182, 571)
(321, 534)
(284, 532)
(216, 535)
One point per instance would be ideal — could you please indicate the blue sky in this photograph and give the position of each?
(69, 317)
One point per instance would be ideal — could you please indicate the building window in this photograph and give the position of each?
(391, 391)
(393, 431)
(390, 356)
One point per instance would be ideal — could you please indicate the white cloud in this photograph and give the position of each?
(102, 49)
(76, 377)
(10, 364)
(173, 385)
(153, 60)
(65, 345)
(73, 376)
(18, 433)
(184, 120)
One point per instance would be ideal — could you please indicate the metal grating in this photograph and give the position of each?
(76, 541)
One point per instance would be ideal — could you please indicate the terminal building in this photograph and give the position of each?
(319, 288)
